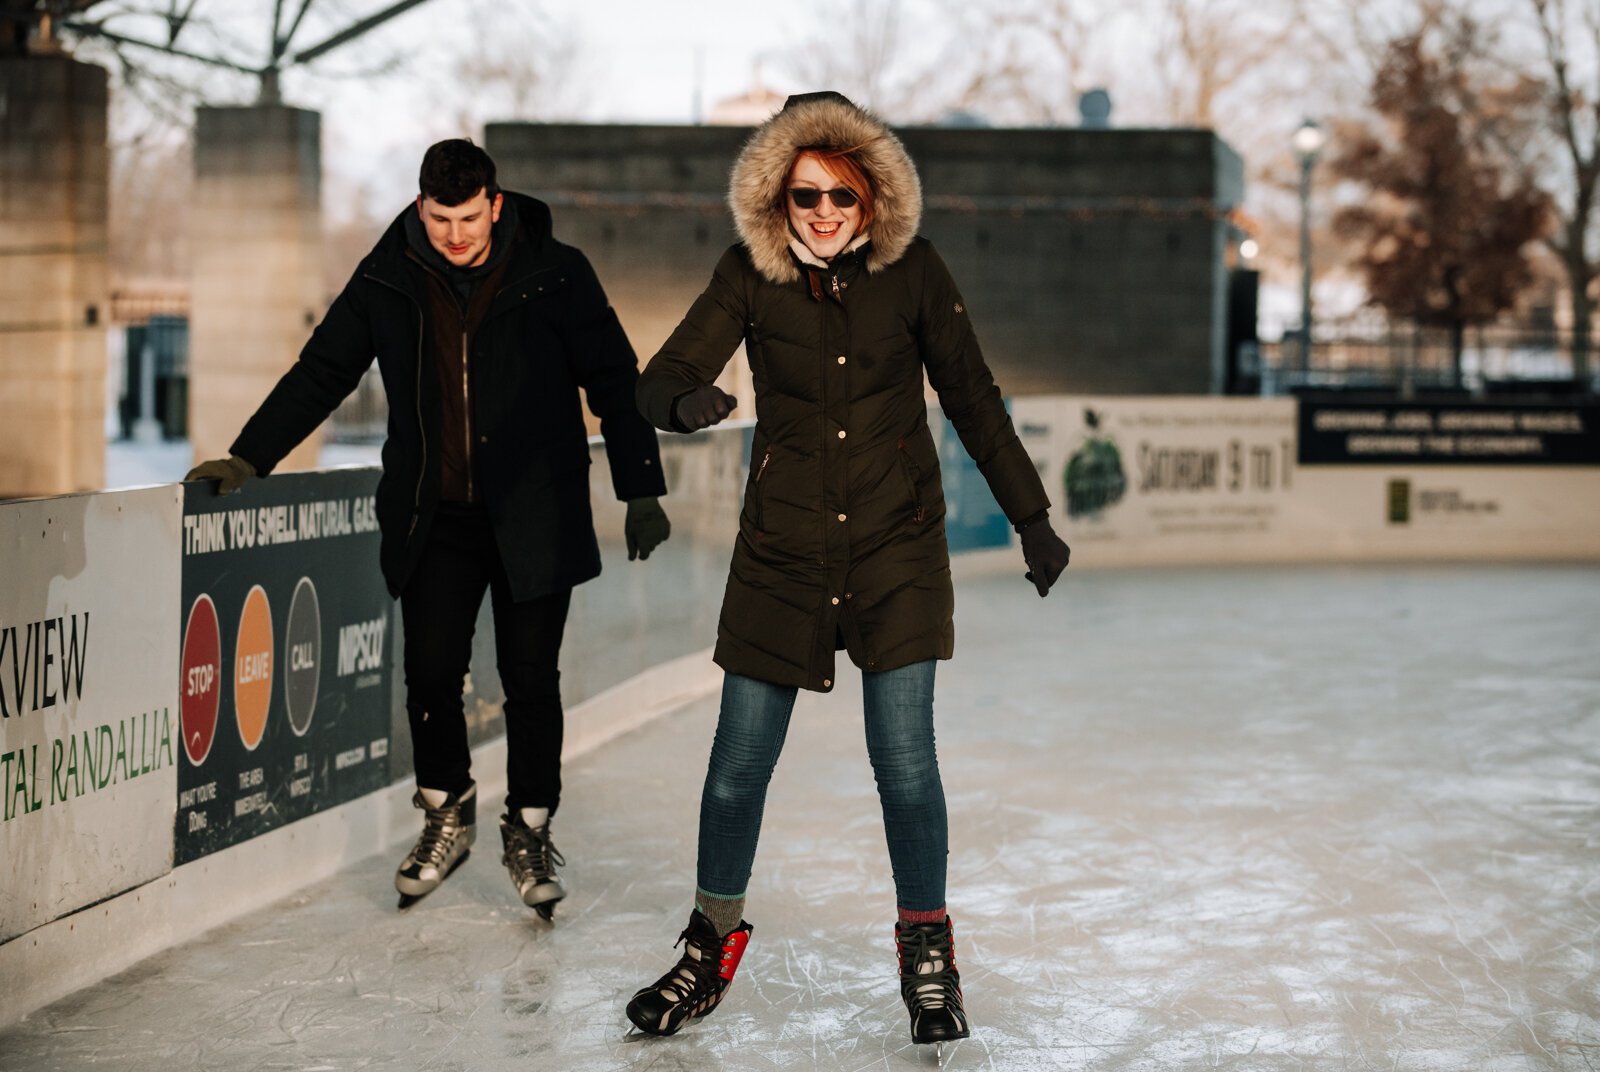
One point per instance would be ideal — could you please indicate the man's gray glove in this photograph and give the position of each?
(702, 407)
(1045, 553)
(646, 528)
(230, 473)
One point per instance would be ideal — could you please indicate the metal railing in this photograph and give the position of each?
(1493, 360)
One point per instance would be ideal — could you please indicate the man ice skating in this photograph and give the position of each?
(484, 327)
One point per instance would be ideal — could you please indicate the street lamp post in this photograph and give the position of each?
(1308, 142)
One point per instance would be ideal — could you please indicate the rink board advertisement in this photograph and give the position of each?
(1464, 479)
(89, 746)
(1152, 481)
(1459, 511)
(1478, 433)
(285, 671)
(973, 521)
(1175, 479)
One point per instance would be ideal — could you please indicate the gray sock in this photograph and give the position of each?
(725, 913)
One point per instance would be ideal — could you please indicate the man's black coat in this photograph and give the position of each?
(549, 331)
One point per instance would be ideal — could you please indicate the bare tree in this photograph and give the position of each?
(1028, 62)
(865, 54)
(1204, 54)
(533, 67)
(1571, 40)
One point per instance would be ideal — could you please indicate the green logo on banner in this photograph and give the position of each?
(1094, 478)
(1399, 502)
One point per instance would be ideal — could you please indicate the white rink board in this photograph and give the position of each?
(89, 734)
(1453, 511)
(1217, 480)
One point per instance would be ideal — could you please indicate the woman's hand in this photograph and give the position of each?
(702, 407)
(1045, 553)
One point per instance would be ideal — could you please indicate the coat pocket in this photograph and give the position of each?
(757, 506)
(913, 479)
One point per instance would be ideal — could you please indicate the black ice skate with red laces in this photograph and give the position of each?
(696, 985)
(930, 985)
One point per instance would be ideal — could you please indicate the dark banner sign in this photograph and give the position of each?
(285, 672)
(1448, 433)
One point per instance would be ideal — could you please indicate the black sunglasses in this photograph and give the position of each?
(811, 197)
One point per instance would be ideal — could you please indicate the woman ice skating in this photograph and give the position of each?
(841, 543)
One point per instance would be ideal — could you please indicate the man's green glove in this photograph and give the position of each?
(230, 473)
(646, 527)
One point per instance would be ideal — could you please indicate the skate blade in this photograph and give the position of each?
(409, 899)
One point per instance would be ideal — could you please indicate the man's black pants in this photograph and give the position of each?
(440, 608)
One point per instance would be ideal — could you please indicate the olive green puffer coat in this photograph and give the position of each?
(841, 541)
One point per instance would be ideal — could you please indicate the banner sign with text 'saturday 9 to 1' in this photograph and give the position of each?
(1164, 479)
(284, 676)
(89, 746)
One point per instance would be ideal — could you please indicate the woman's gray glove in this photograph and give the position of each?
(645, 528)
(230, 473)
(1045, 553)
(702, 407)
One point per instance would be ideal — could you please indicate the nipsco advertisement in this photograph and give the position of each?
(286, 666)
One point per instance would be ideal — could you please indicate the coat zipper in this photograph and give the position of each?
(422, 430)
(466, 413)
(761, 506)
(822, 476)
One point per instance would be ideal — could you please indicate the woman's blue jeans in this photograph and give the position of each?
(750, 734)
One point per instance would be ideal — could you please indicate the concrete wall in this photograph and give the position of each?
(256, 239)
(53, 289)
(1093, 261)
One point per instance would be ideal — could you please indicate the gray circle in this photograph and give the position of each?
(302, 647)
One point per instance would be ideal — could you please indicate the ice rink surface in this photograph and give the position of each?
(1249, 818)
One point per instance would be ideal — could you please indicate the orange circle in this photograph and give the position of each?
(252, 667)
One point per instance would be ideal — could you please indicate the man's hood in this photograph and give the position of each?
(756, 190)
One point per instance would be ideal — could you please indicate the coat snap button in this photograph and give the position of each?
(841, 359)
(827, 683)
(841, 517)
(836, 601)
(841, 433)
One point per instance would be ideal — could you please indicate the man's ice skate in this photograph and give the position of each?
(930, 985)
(531, 858)
(448, 830)
(696, 984)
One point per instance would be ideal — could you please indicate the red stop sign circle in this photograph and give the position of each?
(200, 687)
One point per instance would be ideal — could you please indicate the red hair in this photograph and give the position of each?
(847, 170)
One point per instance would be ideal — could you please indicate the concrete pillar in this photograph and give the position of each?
(54, 174)
(255, 246)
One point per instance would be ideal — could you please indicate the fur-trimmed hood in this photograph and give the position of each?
(756, 189)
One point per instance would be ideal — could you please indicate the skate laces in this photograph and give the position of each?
(695, 972)
(532, 852)
(439, 828)
(927, 968)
